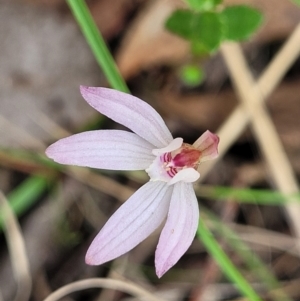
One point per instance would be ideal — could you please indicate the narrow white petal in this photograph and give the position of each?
(180, 228)
(135, 220)
(130, 111)
(106, 149)
(175, 144)
(186, 175)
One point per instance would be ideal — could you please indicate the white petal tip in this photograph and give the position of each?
(162, 268)
(50, 152)
(83, 89)
(160, 272)
(89, 258)
(89, 92)
(89, 261)
(92, 258)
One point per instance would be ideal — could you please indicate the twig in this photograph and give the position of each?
(19, 135)
(229, 131)
(17, 251)
(267, 238)
(100, 182)
(263, 128)
(126, 287)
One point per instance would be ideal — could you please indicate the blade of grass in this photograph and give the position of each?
(25, 195)
(225, 263)
(253, 262)
(246, 195)
(97, 44)
(17, 250)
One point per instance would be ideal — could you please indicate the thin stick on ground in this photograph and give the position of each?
(267, 239)
(19, 135)
(17, 251)
(263, 128)
(114, 284)
(229, 131)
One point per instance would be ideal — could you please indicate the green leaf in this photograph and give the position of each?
(201, 5)
(297, 2)
(240, 21)
(198, 49)
(26, 194)
(192, 75)
(207, 28)
(180, 23)
(204, 28)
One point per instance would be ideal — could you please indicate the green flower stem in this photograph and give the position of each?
(225, 263)
(97, 44)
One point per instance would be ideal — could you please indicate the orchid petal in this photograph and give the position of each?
(207, 143)
(130, 111)
(179, 231)
(105, 149)
(175, 144)
(186, 175)
(135, 220)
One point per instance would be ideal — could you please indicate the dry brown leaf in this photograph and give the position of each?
(110, 16)
(148, 43)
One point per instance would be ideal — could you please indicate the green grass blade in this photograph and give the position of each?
(246, 195)
(28, 192)
(253, 262)
(25, 195)
(225, 263)
(97, 44)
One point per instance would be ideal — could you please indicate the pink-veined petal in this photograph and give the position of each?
(135, 220)
(180, 229)
(105, 149)
(130, 111)
(207, 143)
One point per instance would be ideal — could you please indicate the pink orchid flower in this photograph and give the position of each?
(170, 163)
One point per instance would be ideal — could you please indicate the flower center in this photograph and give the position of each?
(168, 164)
(185, 157)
